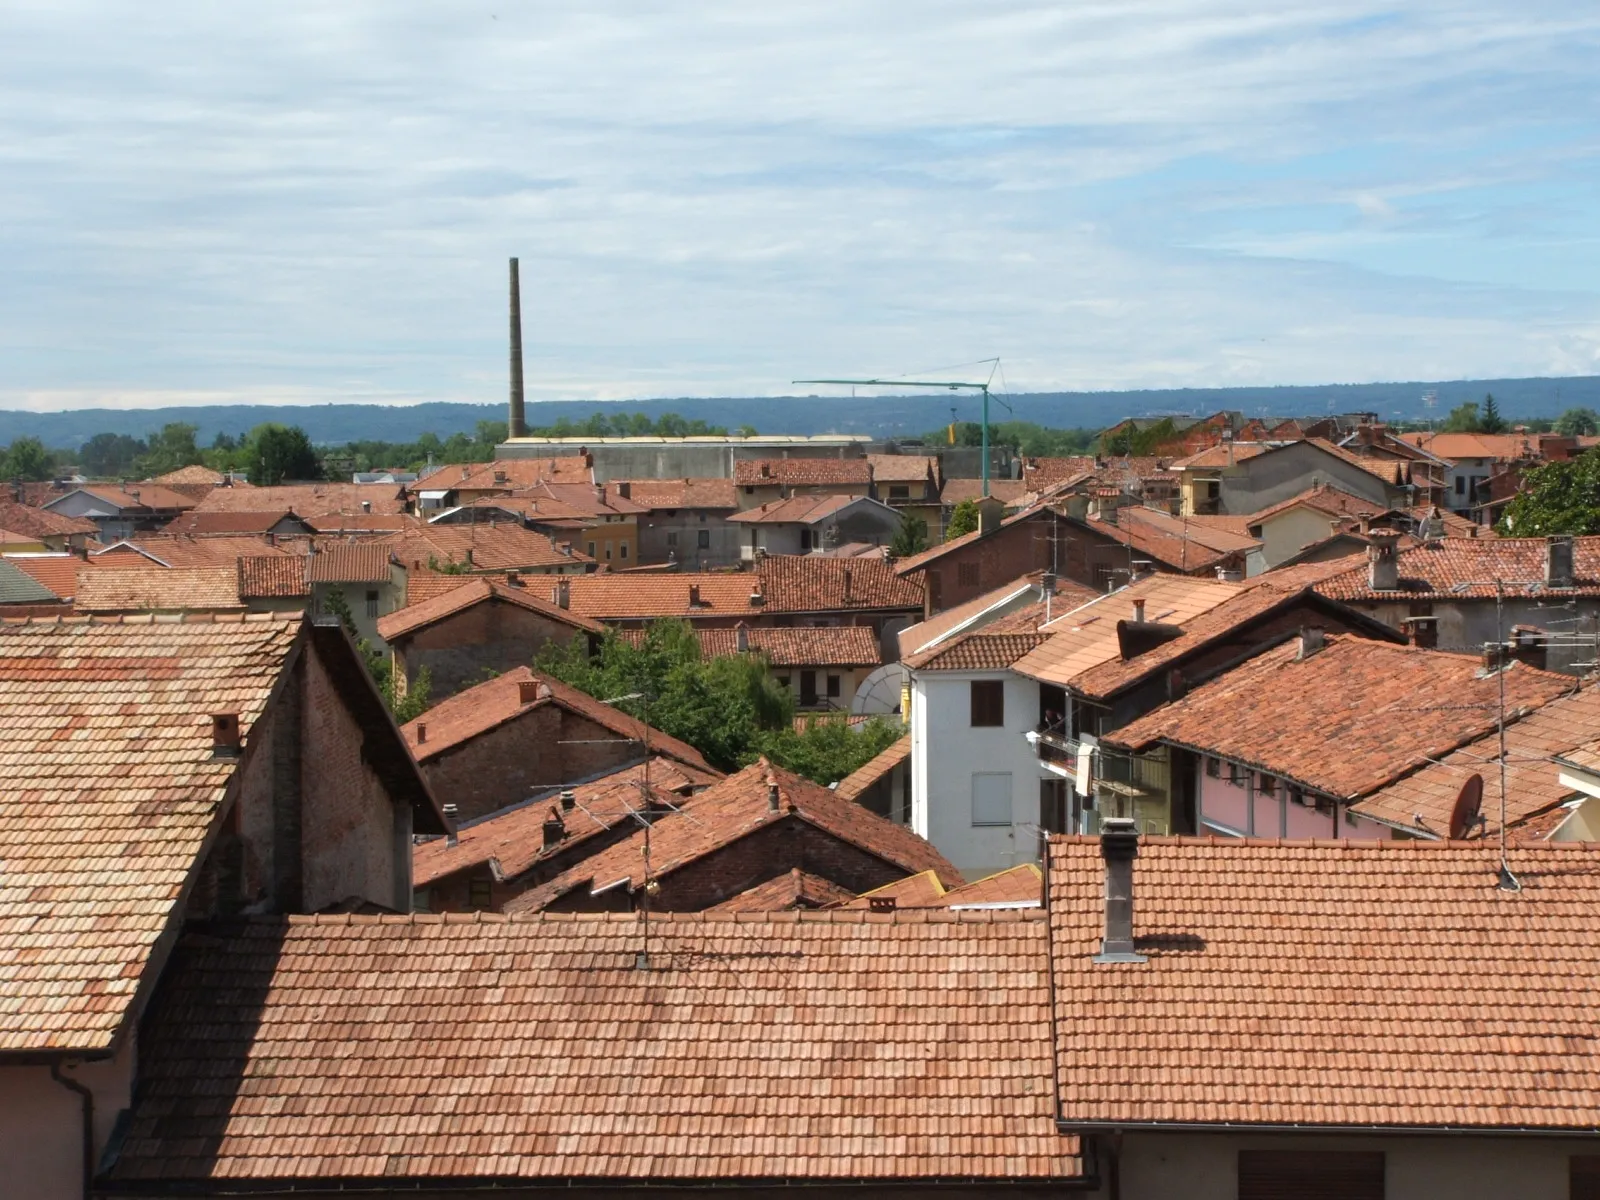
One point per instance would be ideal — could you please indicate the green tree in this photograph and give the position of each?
(911, 538)
(1578, 422)
(746, 431)
(171, 449)
(964, 519)
(828, 750)
(277, 453)
(1492, 421)
(1463, 418)
(405, 708)
(109, 455)
(490, 434)
(1559, 497)
(26, 458)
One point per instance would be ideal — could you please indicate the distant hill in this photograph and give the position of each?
(880, 416)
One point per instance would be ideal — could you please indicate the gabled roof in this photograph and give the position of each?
(1020, 887)
(1041, 473)
(181, 550)
(511, 841)
(754, 1047)
(683, 493)
(490, 547)
(980, 650)
(902, 468)
(198, 473)
(475, 590)
(785, 583)
(350, 562)
(933, 554)
(105, 741)
(1458, 568)
(1171, 549)
(1371, 986)
(508, 474)
(613, 597)
(874, 769)
(794, 889)
(801, 472)
(247, 521)
(592, 500)
(1223, 454)
(113, 498)
(57, 572)
(1007, 491)
(1324, 498)
(307, 499)
(1021, 594)
(792, 646)
(20, 587)
(42, 523)
(730, 810)
(1347, 720)
(1508, 447)
(1421, 803)
(181, 589)
(1194, 530)
(337, 523)
(268, 576)
(811, 583)
(476, 711)
(800, 510)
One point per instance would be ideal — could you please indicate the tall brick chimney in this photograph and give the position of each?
(516, 416)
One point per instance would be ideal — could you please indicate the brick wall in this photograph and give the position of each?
(459, 651)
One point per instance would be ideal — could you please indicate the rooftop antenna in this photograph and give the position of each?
(950, 384)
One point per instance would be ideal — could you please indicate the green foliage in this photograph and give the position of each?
(111, 455)
(828, 750)
(1463, 418)
(405, 708)
(964, 518)
(632, 425)
(1559, 497)
(1140, 442)
(911, 538)
(1492, 421)
(1021, 437)
(27, 459)
(1578, 422)
(448, 568)
(169, 450)
(745, 431)
(279, 453)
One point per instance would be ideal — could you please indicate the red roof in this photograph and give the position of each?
(248, 521)
(793, 646)
(811, 583)
(1458, 568)
(474, 590)
(350, 562)
(307, 499)
(802, 472)
(874, 769)
(40, 523)
(796, 510)
(485, 547)
(58, 572)
(267, 575)
(658, 494)
(794, 889)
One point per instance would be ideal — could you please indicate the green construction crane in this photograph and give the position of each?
(951, 385)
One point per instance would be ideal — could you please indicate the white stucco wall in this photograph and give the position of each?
(1290, 532)
(946, 752)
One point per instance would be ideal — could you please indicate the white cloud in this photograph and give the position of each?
(315, 201)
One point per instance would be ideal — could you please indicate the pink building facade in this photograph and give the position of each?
(1236, 801)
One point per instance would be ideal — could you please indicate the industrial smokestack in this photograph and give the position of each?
(516, 417)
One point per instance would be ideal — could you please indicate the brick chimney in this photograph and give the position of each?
(694, 595)
(528, 691)
(422, 732)
(1138, 611)
(451, 813)
(1119, 846)
(625, 490)
(847, 585)
(1383, 562)
(554, 828)
(773, 796)
(1558, 567)
(1311, 641)
(563, 593)
(225, 735)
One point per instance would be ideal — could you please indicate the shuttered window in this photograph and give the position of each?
(1310, 1175)
(988, 702)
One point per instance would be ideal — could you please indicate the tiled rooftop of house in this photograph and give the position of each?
(984, 610)
(1223, 454)
(423, 584)
(1454, 446)
(509, 474)
(1165, 542)
(57, 572)
(1328, 984)
(106, 746)
(181, 550)
(484, 547)
(1192, 529)
(793, 890)
(228, 521)
(809, 583)
(592, 500)
(181, 589)
(784, 584)
(490, 704)
(29, 521)
(1421, 803)
(874, 769)
(980, 650)
(802, 472)
(1324, 498)
(307, 499)
(1456, 568)
(19, 587)
(954, 491)
(722, 814)
(1021, 886)
(512, 841)
(1041, 473)
(658, 494)
(361, 522)
(195, 474)
(531, 593)
(266, 576)
(613, 597)
(796, 510)
(350, 562)
(757, 1046)
(902, 468)
(1353, 716)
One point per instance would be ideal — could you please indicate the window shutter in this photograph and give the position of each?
(1310, 1175)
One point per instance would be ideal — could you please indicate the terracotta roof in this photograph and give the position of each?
(902, 468)
(1329, 984)
(492, 703)
(810, 583)
(181, 550)
(980, 650)
(511, 841)
(58, 572)
(19, 587)
(1507, 447)
(795, 646)
(922, 890)
(1041, 473)
(684, 493)
(1325, 498)
(39, 523)
(105, 743)
(475, 590)
(801, 472)
(1384, 468)
(1466, 568)
(1532, 786)
(796, 510)
(508, 474)
(269, 575)
(1018, 886)
(1220, 521)
(954, 491)
(874, 769)
(181, 589)
(612, 597)
(917, 562)
(794, 889)
(197, 473)
(350, 562)
(423, 585)
(1347, 720)
(1195, 530)
(250, 521)
(1221, 455)
(135, 495)
(361, 522)
(492, 547)
(307, 499)
(756, 1046)
(722, 814)
(1087, 637)
(1021, 594)
(1186, 555)
(1455, 525)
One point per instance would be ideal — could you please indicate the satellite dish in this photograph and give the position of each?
(879, 693)
(1467, 812)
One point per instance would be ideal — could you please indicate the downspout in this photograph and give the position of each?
(86, 1098)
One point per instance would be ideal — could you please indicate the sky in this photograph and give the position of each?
(312, 202)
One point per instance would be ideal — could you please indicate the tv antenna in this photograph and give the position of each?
(954, 385)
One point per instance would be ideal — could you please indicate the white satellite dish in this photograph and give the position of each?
(879, 693)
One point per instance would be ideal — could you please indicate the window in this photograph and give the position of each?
(991, 798)
(967, 574)
(1461, 485)
(1213, 767)
(622, 551)
(1348, 1175)
(672, 539)
(608, 551)
(1267, 785)
(479, 893)
(833, 687)
(988, 704)
(591, 549)
(372, 603)
(704, 538)
(899, 491)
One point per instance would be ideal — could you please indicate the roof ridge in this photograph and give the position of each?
(834, 916)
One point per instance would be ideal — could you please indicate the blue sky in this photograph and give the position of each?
(304, 202)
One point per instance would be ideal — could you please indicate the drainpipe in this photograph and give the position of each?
(86, 1098)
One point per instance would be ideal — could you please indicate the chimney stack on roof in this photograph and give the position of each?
(568, 799)
(528, 691)
(554, 828)
(847, 584)
(422, 732)
(563, 592)
(1119, 846)
(694, 595)
(225, 735)
(366, 506)
(1140, 568)
(1138, 611)
(516, 416)
(1558, 565)
(741, 637)
(1496, 655)
(1229, 574)
(513, 579)
(451, 812)
(1383, 562)
(772, 794)
(1311, 641)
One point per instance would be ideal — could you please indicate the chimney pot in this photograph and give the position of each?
(225, 735)
(422, 732)
(554, 828)
(694, 595)
(1119, 846)
(1383, 562)
(772, 795)
(1558, 566)
(527, 691)
(513, 579)
(1138, 611)
(568, 799)
(366, 506)
(452, 838)
(563, 593)
(741, 637)
(1310, 642)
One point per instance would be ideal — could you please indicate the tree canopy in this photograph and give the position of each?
(1578, 422)
(27, 459)
(911, 538)
(964, 519)
(1559, 497)
(279, 453)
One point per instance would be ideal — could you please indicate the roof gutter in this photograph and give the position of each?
(1289, 1127)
